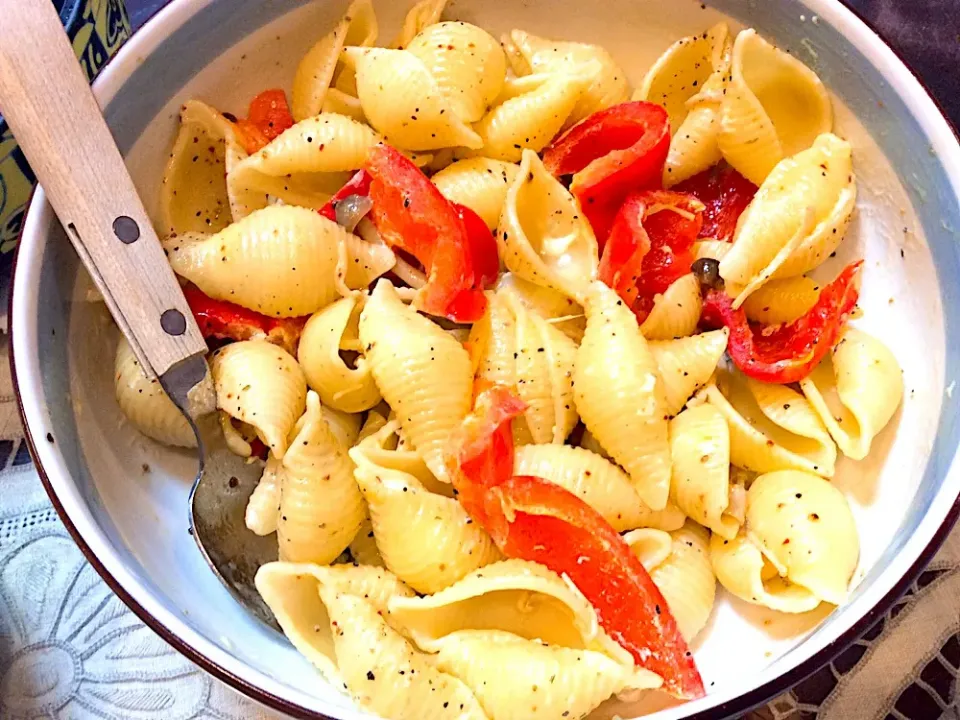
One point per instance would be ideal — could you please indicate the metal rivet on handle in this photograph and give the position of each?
(173, 322)
(126, 229)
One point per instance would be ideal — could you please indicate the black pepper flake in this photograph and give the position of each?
(370, 675)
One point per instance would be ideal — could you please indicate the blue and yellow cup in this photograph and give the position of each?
(97, 29)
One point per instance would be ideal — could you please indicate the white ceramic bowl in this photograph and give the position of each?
(124, 498)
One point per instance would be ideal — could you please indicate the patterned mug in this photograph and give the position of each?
(97, 29)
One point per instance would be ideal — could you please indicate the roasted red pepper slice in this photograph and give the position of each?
(483, 247)
(411, 214)
(785, 353)
(268, 116)
(610, 154)
(485, 457)
(359, 184)
(650, 246)
(532, 519)
(224, 320)
(725, 194)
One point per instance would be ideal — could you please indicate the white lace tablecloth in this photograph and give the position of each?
(70, 650)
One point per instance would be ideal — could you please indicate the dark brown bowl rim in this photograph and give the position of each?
(735, 707)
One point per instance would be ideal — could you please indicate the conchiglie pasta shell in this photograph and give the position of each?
(344, 426)
(766, 436)
(339, 386)
(742, 571)
(687, 364)
(515, 59)
(545, 361)
(553, 306)
(542, 236)
(291, 591)
(782, 301)
(530, 112)
(402, 100)
(686, 579)
(856, 391)
(494, 338)
(823, 240)
(315, 72)
(305, 164)
(384, 448)
(365, 261)
(607, 81)
(651, 545)
(320, 505)
(422, 372)
(514, 596)
(466, 62)
(479, 183)
(695, 118)
(262, 385)
(237, 439)
(796, 219)
(501, 668)
(694, 148)
(774, 107)
(701, 488)
(803, 524)
(422, 15)
(682, 72)
(620, 395)
(598, 482)
(193, 196)
(383, 672)
(428, 540)
(263, 507)
(363, 548)
(279, 261)
(145, 404)
(338, 102)
(676, 313)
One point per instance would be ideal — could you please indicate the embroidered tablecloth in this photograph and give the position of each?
(70, 650)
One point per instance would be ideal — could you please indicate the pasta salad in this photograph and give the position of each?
(531, 359)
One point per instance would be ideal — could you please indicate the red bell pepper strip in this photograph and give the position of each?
(485, 445)
(610, 154)
(532, 519)
(411, 214)
(788, 352)
(483, 247)
(224, 320)
(359, 184)
(725, 194)
(268, 116)
(650, 246)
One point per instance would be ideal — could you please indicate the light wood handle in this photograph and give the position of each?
(58, 124)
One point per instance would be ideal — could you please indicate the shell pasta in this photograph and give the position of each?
(528, 443)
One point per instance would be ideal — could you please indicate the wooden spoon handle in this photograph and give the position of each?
(57, 122)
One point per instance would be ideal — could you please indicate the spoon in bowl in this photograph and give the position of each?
(58, 124)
